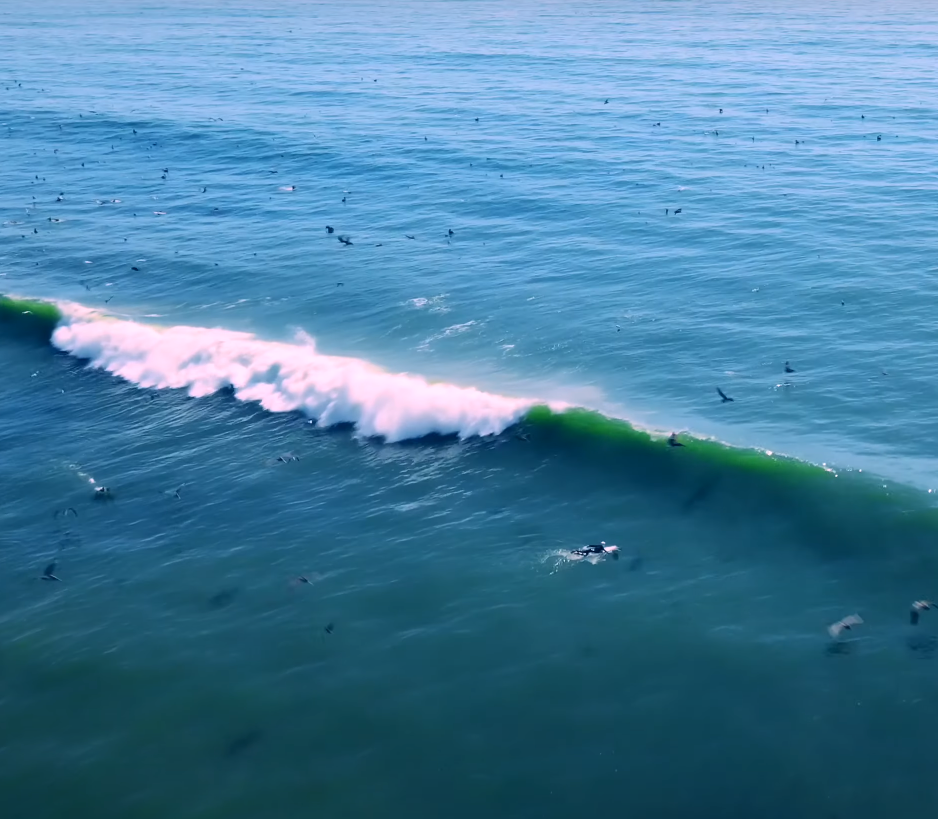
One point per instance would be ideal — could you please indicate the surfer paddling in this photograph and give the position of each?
(600, 549)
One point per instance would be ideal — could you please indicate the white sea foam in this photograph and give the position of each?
(283, 377)
(433, 305)
(454, 330)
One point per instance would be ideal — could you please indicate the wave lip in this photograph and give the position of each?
(284, 377)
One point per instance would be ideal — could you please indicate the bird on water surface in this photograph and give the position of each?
(49, 573)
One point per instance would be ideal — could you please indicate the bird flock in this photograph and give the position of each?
(101, 493)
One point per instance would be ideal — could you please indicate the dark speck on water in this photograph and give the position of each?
(244, 741)
(924, 645)
(222, 598)
(700, 494)
(838, 648)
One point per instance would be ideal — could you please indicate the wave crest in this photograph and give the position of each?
(284, 377)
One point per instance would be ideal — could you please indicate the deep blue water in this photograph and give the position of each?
(169, 172)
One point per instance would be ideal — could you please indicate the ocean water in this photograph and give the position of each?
(647, 201)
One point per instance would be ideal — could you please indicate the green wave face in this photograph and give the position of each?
(620, 439)
(836, 514)
(28, 319)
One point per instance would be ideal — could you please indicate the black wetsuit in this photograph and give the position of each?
(590, 550)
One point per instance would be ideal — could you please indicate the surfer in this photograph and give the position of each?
(673, 441)
(597, 549)
(102, 493)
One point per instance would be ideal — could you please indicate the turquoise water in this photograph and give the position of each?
(447, 658)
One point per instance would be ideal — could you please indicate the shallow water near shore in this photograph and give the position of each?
(423, 428)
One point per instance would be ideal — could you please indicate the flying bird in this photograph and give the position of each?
(835, 629)
(723, 395)
(49, 573)
(345, 240)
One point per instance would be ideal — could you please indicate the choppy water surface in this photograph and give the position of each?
(614, 211)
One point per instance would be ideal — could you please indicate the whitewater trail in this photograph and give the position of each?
(284, 377)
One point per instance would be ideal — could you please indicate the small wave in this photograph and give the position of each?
(453, 330)
(456, 329)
